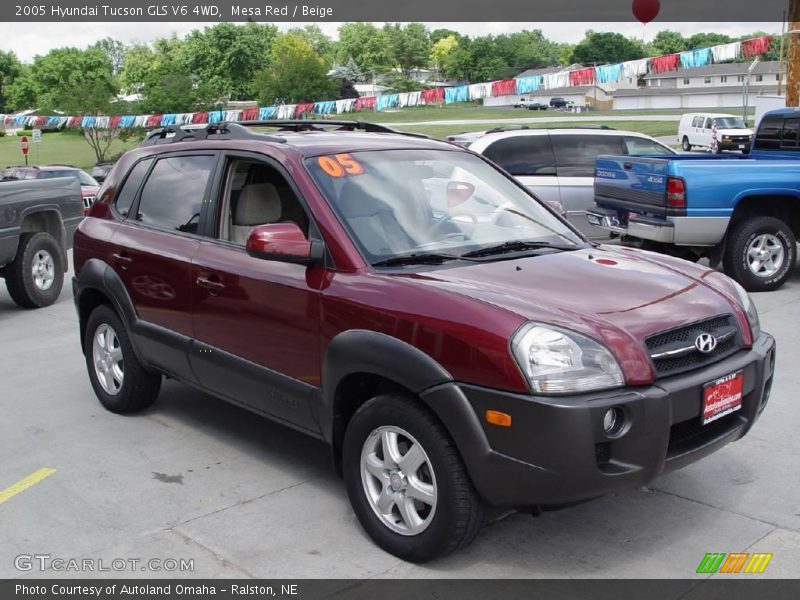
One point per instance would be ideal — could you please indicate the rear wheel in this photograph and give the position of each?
(761, 253)
(687, 147)
(120, 381)
(406, 481)
(35, 277)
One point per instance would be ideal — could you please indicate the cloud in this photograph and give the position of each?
(29, 39)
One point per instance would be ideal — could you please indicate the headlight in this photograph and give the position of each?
(749, 308)
(557, 361)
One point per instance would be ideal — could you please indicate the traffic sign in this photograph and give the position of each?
(37, 136)
(24, 146)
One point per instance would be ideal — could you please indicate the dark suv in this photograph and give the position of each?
(455, 341)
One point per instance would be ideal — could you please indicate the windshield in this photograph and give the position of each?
(414, 202)
(730, 123)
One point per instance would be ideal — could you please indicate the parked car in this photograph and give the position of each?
(559, 103)
(557, 164)
(740, 211)
(100, 171)
(697, 130)
(37, 221)
(89, 186)
(530, 104)
(449, 363)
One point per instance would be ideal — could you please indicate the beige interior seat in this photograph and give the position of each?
(259, 204)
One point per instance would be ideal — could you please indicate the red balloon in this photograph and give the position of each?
(646, 10)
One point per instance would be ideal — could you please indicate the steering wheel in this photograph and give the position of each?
(449, 236)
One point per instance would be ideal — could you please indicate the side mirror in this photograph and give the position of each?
(284, 242)
(557, 207)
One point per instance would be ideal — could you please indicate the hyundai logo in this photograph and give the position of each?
(705, 343)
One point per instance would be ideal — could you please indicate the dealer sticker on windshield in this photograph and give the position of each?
(722, 397)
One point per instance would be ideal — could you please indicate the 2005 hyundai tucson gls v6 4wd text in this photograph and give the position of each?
(455, 341)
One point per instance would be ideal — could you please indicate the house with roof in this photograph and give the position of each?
(713, 86)
(597, 95)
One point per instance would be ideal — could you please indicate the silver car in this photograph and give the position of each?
(557, 164)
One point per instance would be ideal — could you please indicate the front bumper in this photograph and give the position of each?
(556, 451)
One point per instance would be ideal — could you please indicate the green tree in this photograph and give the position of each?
(295, 73)
(409, 46)
(528, 49)
(366, 45)
(666, 42)
(322, 44)
(442, 53)
(10, 69)
(114, 51)
(706, 40)
(606, 47)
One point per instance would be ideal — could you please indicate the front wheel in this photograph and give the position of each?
(687, 147)
(406, 481)
(761, 253)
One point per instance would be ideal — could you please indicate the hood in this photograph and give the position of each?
(614, 294)
(734, 132)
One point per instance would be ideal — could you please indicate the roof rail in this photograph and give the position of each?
(325, 125)
(227, 130)
(172, 134)
(521, 127)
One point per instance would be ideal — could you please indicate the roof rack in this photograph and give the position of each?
(173, 134)
(325, 125)
(227, 130)
(521, 127)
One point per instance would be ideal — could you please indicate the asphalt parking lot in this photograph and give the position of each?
(195, 478)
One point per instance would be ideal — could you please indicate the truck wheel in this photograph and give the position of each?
(35, 276)
(760, 254)
(406, 481)
(687, 147)
(120, 381)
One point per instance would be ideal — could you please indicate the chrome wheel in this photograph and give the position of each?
(107, 357)
(398, 480)
(43, 270)
(765, 255)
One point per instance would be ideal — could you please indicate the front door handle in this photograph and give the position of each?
(209, 284)
(123, 260)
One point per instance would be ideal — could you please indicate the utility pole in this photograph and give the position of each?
(793, 64)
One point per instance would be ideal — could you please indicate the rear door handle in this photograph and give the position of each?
(210, 285)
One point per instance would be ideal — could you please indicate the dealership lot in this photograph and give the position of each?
(194, 478)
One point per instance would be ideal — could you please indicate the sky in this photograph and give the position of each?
(29, 39)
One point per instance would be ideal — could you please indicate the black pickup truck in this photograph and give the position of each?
(38, 218)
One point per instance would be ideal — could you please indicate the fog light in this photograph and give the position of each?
(614, 421)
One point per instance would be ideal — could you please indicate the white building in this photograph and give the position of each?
(584, 95)
(713, 86)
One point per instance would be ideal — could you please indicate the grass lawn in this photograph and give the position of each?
(652, 128)
(474, 110)
(55, 148)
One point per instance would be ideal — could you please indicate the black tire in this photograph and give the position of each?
(139, 387)
(735, 261)
(687, 147)
(458, 515)
(20, 281)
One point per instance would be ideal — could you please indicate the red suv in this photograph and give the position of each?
(455, 341)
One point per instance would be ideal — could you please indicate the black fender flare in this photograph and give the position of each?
(363, 351)
(98, 275)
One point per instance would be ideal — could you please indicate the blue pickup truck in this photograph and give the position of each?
(739, 210)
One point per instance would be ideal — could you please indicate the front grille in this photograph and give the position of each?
(692, 434)
(673, 351)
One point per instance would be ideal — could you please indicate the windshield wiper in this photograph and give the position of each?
(516, 246)
(417, 258)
